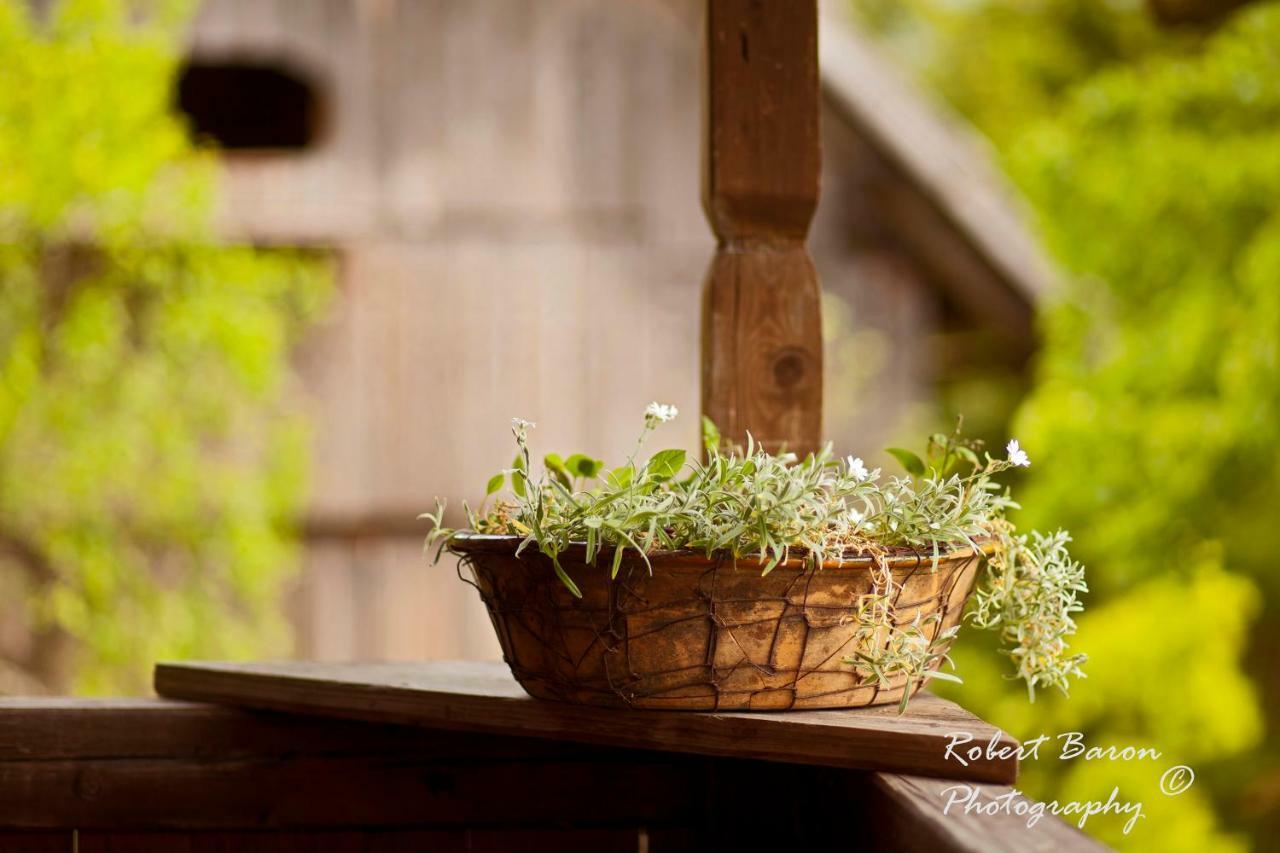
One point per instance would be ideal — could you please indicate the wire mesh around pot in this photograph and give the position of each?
(701, 634)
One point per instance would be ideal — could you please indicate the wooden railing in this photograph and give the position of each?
(159, 775)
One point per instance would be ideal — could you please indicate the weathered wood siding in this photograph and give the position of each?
(512, 189)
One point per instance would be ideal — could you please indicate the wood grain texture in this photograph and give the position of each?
(68, 729)
(181, 766)
(409, 789)
(762, 323)
(483, 697)
(908, 816)
(138, 776)
(763, 155)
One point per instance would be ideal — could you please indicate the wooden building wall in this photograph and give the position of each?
(511, 190)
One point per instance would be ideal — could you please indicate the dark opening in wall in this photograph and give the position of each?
(240, 105)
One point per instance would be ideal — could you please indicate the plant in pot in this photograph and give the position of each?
(756, 580)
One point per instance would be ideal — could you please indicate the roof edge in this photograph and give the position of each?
(942, 156)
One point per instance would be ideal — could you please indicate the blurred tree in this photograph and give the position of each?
(149, 463)
(1151, 159)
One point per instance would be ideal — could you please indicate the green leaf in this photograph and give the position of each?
(581, 465)
(565, 579)
(620, 478)
(962, 455)
(913, 463)
(945, 676)
(495, 483)
(517, 483)
(906, 695)
(556, 466)
(710, 435)
(518, 462)
(665, 464)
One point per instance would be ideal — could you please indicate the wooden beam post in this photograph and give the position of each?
(761, 315)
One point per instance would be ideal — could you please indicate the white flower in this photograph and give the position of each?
(1017, 456)
(857, 470)
(520, 429)
(659, 413)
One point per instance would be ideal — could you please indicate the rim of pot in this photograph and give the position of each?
(489, 543)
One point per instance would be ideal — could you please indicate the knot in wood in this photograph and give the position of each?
(790, 367)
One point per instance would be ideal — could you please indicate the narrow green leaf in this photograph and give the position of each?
(945, 676)
(565, 579)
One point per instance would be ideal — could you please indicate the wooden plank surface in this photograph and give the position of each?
(483, 697)
(160, 765)
(909, 816)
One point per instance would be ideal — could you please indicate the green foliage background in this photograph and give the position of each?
(148, 457)
(1152, 160)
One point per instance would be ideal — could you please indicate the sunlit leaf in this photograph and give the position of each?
(665, 464)
(910, 461)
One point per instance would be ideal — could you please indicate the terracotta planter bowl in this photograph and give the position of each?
(698, 634)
